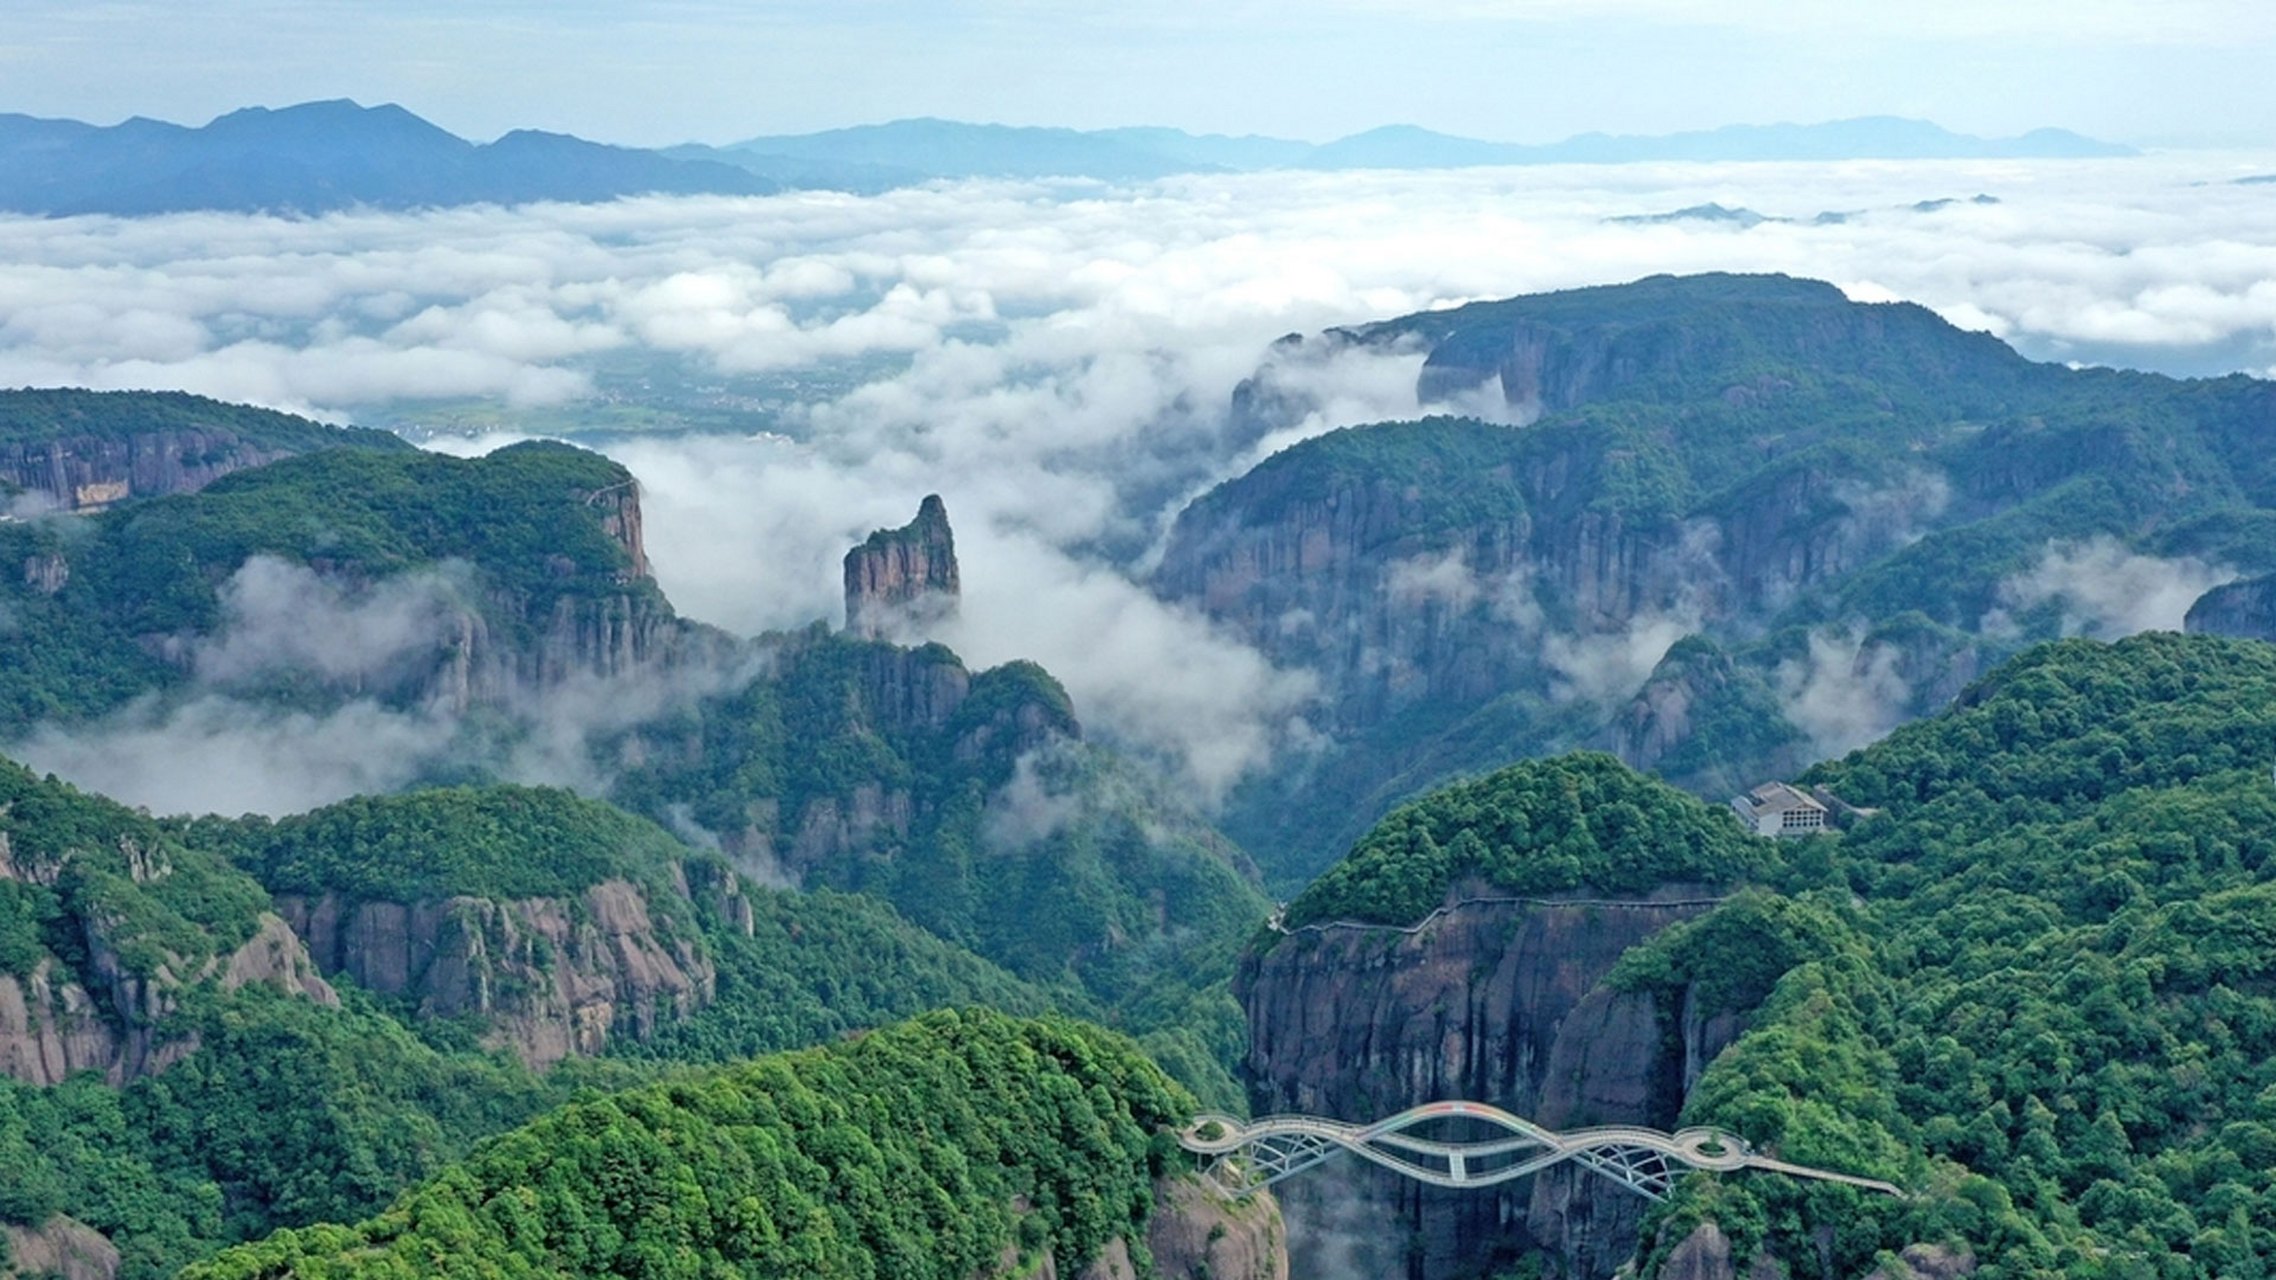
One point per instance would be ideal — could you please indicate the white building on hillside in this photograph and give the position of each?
(1775, 809)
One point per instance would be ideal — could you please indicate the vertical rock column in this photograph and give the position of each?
(903, 577)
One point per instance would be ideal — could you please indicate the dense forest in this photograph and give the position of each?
(31, 417)
(281, 1109)
(2033, 981)
(1784, 476)
(933, 1149)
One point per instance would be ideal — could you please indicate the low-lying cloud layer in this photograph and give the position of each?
(1058, 360)
(2103, 590)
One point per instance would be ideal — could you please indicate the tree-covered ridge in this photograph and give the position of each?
(930, 1149)
(521, 515)
(2039, 987)
(485, 842)
(68, 858)
(32, 416)
(1582, 821)
(1046, 855)
(1451, 472)
(1753, 459)
(507, 535)
(287, 1111)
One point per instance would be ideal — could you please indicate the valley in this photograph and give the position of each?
(466, 907)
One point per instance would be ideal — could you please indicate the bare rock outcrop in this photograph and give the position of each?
(2246, 608)
(551, 977)
(90, 472)
(1195, 1235)
(1192, 1235)
(58, 1249)
(1493, 1002)
(903, 577)
(117, 1020)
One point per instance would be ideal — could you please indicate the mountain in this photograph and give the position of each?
(961, 1145)
(319, 157)
(952, 149)
(2028, 983)
(1851, 510)
(75, 450)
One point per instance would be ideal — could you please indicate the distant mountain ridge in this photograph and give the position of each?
(320, 157)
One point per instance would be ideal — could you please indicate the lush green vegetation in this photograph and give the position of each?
(1032, 850)
(516, 527)
(519, 515)
(483, 842)
(287, 1112)
(74, 857)
(1727, 433)
(2039, 987)
(928, 1149)
(40, 416)
(1582, 821)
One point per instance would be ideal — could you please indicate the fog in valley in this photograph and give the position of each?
(1058, 360)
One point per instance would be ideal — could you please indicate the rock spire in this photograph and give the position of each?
(903, 577)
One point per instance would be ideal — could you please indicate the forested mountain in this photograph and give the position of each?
(1745, 522)
(961, 1145)
(425, 968)
(212, 1028)
(2030, 985)
(318, 157)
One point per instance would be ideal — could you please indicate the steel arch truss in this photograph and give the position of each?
(1250, 1155)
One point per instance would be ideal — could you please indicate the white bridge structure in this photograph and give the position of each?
(1254, 1154)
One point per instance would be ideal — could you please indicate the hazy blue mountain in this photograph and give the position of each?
(1405, 146)
(1864, 138)
(1214, 150)
(322, 156)
(953, 149)
(806, 172)
(935, 148)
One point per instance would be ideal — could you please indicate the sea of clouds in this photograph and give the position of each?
(1057, 359)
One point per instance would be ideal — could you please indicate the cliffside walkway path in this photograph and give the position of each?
(1278, 920)
(1251, 1155)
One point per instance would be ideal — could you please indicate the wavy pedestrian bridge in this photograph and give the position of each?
(1254, 1154)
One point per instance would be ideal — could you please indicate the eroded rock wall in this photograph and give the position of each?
(1503, 1003)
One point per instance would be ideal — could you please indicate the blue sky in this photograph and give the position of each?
(657, 71)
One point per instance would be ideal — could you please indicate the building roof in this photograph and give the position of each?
(1778, 797)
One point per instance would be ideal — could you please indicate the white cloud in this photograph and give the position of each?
(2106, 591)
(1057, 361)
(1844, 693)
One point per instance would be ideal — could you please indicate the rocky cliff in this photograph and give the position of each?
(548, 978)
(1498, 1002)
(118, 1021)
(1191, 1235)
(1756, 460)
(2246, 608)
(86, 473)
(86, 450)
(59, 1249)
(901, 580)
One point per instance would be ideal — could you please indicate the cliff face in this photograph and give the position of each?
(2246, 608)
(1499, 1003)
(89, 472)
(59, 1249)
(115, 1020)
(905, 577)
(550, 977)
(1191, 1235)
